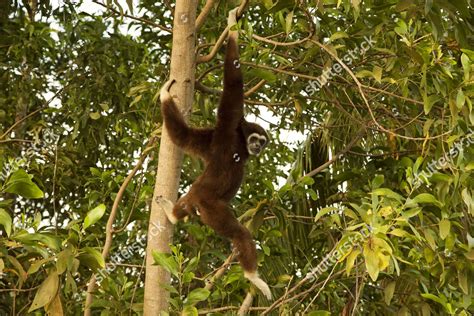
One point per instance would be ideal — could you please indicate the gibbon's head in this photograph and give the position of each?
(255, 137)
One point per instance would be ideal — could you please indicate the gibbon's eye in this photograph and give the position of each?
(253, 138)
(263, 141)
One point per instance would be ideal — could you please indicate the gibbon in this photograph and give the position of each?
(224, 149)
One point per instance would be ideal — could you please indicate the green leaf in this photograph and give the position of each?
(64, 260)
(169, 288)
(6, 221)
(319, 313)
(46, 239)
(466, 65)
(166, 261)
(434, 298)
(371, 262)
(20, 183)
(388, 193)
(399, 233)
(289, 22)
(264, 74)
(463, 281)
(338, 35)
(350, 260)
(377, 73)
(94, 215)
(197, 295)
(460, 99)
(427, 198)
(192, 264)
(388, 292)
(467, 198)
(444, 228)
(94, 115)
(378, 181)
(18, 268)
(190, 310)
(91, 258)
(46, 292)
(35, 266)
(324, 211)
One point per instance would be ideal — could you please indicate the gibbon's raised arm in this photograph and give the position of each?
(231, 107)
(192, 140)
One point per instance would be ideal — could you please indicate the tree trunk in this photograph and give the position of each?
(170, 157)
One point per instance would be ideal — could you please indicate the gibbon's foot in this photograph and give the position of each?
(259, 283)
(165, 91)
(167, 206)
(232, 17)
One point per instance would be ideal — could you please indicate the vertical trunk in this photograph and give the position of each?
(170, 157)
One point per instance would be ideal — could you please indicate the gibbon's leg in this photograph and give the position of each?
(193, 140)
(218, 216)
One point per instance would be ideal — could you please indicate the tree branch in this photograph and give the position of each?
(204, 13)
(143, 20)
(221, 39)
(109, 230)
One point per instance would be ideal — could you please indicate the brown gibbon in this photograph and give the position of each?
(224, 149)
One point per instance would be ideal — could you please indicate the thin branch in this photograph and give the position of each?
(227, 308)
(247, 93)
(285, 44)
(360, 86)
(16, 140)
(20, 290)
(215, 48)
(109, 230)
(254, 89)
(220, 271)
(204, 13)
(221, 39)
(246, 304)
(320, 289)
(200, 87)
(31, 114)
(143, 20)
(391, 94)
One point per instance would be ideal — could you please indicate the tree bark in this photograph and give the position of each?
(170, 157)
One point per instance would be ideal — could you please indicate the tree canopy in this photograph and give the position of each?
(363, 202)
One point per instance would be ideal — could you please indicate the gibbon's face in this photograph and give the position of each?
(255, 137)
(255, 143)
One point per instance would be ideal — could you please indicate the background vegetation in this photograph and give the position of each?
(78, 90)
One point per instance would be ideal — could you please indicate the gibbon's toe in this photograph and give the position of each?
(167, 206)
(259, 283)
(165, 91)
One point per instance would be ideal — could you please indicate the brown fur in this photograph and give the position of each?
(210, 194)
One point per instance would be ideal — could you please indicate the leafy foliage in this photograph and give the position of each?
(385, 229)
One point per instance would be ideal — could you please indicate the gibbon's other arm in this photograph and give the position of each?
(192, 140)
(231, 107)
